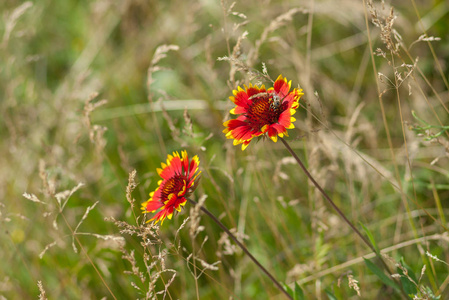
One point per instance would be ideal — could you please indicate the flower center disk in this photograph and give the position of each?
(172, 186)
(262, 111)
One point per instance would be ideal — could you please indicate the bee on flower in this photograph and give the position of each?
(262, 112)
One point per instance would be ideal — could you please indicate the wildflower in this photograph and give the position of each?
(178, 182)
(262, 112)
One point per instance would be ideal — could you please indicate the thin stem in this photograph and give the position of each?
(225, 229)
(334, 205)
(87, 255)
(194, 271)
(326, 196)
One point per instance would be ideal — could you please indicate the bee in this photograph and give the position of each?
(274, 99)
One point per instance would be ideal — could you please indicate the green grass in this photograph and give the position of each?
(354, 131)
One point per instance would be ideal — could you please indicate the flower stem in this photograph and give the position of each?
(225, 229)
(332, 203)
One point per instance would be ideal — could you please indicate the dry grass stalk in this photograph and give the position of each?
(130, 188)
(275, 24)
(89, 208)
(160, 53)
(352, 283)
(96, 132)
(226, 247)
(386, 27)
(11, 21)
(42, 293)
(195, 218)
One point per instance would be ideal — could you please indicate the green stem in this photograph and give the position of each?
(225, 229)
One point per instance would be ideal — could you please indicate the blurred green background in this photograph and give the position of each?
(157, 65)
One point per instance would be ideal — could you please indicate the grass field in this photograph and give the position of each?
(92, 90)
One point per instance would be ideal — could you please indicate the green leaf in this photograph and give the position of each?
(289, 290)
(330, 295)
(409, 287)
(299, 293)
(409, 269)
(407, 284)
(370, 237)
(381, 275)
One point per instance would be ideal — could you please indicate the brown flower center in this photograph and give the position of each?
(172, 186)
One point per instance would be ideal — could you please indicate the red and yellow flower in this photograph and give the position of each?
(178, 182)
(262, 112)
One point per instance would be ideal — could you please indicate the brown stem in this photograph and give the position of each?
(326, 196)
(225, 229)
(335, 206)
